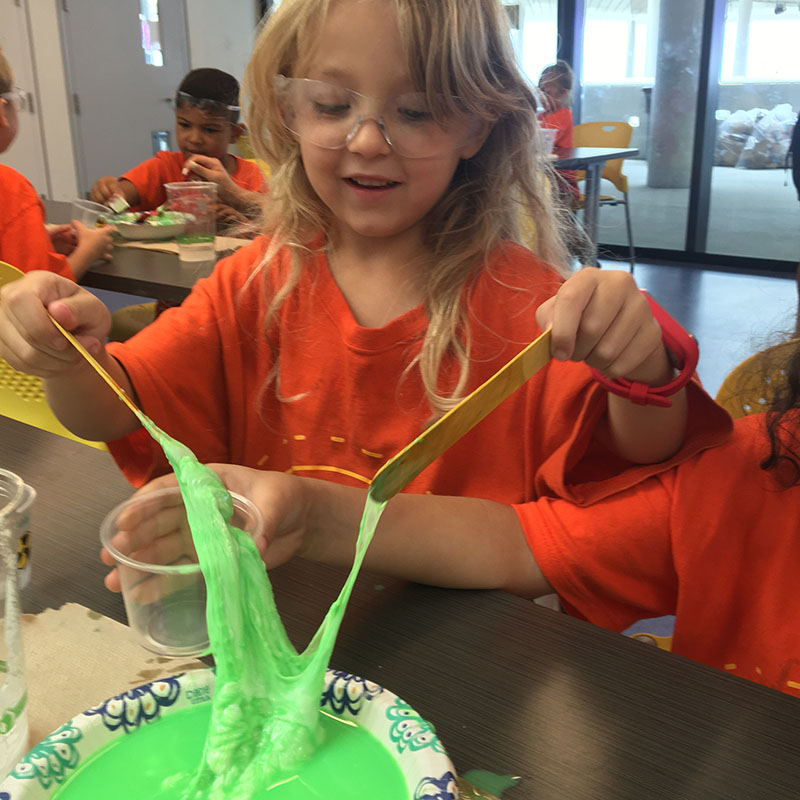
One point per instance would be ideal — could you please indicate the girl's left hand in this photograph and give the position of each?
(63, 238)
(601, 317)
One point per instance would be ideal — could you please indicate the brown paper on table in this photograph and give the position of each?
(75, 658)
(222, 244)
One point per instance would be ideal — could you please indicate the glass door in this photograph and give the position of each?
(754, 208)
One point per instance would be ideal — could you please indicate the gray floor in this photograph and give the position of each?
(753, 213)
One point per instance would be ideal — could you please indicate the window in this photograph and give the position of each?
(151, 33)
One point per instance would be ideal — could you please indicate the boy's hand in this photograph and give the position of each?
(230, 217)
(600, 317)
(211, 169)
(28, 339)
(62, 238)
(93, 243)
(105, 188)
(279, 497)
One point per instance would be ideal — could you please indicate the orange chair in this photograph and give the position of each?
(608, 134)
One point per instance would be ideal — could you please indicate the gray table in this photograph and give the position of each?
(592, 160)
(145, 273)
(513, 688)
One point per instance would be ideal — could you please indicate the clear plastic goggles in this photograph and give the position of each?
(16, 98)
(213, 107)
(330, 116)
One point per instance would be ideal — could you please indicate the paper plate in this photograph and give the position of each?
(410, 741)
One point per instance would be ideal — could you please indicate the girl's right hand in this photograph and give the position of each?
(94, 243)
(28, 339)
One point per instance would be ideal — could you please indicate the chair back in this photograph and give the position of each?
(605, 134)
(751, 386)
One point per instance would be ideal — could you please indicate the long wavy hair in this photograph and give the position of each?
(455, 49)
(782, 425)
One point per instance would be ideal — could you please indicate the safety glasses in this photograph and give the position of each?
(16, 98)
(330, 116)
(213, 107)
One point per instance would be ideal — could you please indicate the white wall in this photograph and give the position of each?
(52, 91)
(221, 35)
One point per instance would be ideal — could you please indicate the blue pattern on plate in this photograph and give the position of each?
(142, 704)
(344, 691)
(443, 788)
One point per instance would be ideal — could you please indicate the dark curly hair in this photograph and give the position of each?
(782, 427)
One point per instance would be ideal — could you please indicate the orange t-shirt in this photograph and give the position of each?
(150, 176)
(713, 541)
(561, 121)
(24, 242)
(200, 372)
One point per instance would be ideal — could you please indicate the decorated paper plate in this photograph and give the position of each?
(145, 742)
(158, 224)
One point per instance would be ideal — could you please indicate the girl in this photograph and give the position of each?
(713, 541)
(388, 286)
(25, 242)
(555, 87)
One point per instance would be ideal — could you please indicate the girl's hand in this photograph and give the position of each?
(600, 317)
(211, 169)
(28, 339)
(93, 243)
(280, 498)
(62, 238)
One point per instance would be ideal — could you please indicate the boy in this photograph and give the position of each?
(206, 122)
(24, 240)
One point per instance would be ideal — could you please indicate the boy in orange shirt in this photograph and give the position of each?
(206, 122)
(25, 242)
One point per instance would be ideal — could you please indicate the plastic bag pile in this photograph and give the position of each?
(755, 139)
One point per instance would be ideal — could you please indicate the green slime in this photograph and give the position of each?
(264, 715)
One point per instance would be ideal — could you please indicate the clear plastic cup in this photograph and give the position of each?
(549, 137)
(92, 215)
(13, 697)
(18, 521)
(162, 586)
(199, 199)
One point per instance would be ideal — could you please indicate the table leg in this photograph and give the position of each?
(591, 204)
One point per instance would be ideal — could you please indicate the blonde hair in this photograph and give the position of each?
(456, 49)
(6, 75)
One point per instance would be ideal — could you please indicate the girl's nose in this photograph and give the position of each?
(369, 138)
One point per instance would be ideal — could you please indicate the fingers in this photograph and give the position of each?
(28, 339)
(600, 317)
(104, 189)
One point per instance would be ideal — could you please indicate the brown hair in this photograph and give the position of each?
(456, 49)
(562, 76)
(6, 75)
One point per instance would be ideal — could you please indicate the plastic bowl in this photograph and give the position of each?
(165, 225)
(409, 740)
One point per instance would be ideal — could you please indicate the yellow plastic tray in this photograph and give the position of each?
(22, 399)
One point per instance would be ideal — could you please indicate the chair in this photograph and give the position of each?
(608, 134)
(751, 386)
(22, 396)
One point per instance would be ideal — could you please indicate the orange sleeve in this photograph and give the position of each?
(150, 176)
(24, 242)
(249, 176)
(610, 564)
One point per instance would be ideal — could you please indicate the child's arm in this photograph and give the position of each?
(93, 244)
(212, 169)
(108, 186)
(600, 317)
(455, 542)
(31, 343)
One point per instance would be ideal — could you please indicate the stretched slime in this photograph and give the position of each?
(265, 720)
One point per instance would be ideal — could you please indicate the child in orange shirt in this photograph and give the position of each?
(555, 87)
(389, 284)
(206, 122)
(25, 241)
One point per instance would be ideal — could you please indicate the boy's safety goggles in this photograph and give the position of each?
(330, 116)
(213, 107)
(16, 98)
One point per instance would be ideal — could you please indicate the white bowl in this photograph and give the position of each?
(410, 740)
(143, 231)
